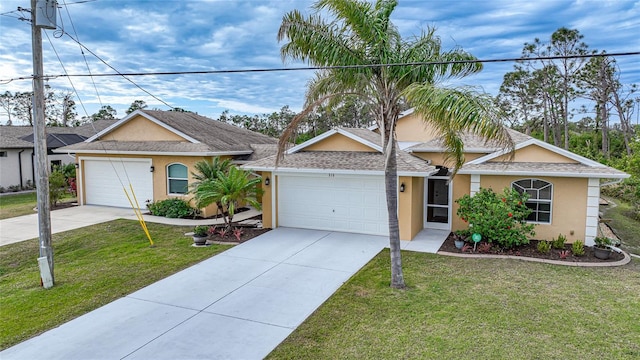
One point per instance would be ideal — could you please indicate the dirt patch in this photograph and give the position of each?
(531, 250)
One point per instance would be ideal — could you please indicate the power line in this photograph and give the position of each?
(419, 63)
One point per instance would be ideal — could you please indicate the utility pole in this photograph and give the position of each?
(45, 261)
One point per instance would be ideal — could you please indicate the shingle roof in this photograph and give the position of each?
(472, 143)
(215, 137)
(219, 136)
(16, 137)
(541, 169)
(343, 160)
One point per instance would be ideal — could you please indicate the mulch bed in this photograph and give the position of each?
(248, 233)
(531, 250)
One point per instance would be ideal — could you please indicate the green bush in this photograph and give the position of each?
(57, 184)
(172, 208)
(544, 247)
(558, 243)
(577, 248)
(499, 218)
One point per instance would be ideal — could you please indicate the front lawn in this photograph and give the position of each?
(93, 266)
(475, 308)
(22, 204)
(619, 215)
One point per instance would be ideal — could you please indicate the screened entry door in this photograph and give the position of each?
(437, 204)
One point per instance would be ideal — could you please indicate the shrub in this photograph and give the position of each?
(172, 208)
(499, 218)
(558, 243)
(564, 254)
(544, 247)
(57, 185)
(577, 248)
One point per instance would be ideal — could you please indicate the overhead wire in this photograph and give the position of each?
(359, 66)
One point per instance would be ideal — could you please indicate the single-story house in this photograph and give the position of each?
(155, 152)
(335, 181)
(17, 163)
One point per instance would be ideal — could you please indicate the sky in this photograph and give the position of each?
(191, 35)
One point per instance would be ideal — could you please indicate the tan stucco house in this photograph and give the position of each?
(335, 181)
(155, 152)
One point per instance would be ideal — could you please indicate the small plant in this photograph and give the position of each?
(484, 247)
(564, 254)
(56, 186)
(544, 247)
(558, 243)
(577, 248)
(201, 231)
(223, 232)
(212, 230)
(461, 235)
(172, 208)
(467, 248)
(603, 242)
(237, 232)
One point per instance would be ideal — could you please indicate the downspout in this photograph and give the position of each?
(20, 167)
(617, 181)
(33, 168)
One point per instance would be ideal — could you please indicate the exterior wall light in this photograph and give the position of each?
(77, 166)
(267, 181)
(402, 187)
(152, 168)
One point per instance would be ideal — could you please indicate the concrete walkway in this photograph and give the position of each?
(239, 304)
(26, 227)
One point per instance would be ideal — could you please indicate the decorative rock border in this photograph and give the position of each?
(624, 261)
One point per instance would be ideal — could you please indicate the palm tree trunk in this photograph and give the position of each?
(391, 188)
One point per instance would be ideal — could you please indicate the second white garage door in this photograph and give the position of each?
(351, 203)
(102, 181)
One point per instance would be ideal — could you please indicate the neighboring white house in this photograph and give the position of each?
(17, 163)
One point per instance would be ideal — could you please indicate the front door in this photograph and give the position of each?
(437, 204)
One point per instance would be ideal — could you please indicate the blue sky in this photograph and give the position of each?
(190, 35)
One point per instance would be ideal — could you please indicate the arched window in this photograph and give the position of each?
(177, 179)
(540, 198)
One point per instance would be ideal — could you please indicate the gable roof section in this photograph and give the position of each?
(583, 167)
(202, 136)
(350, 162)
(363, 136)
(472, 143)
(21, 137)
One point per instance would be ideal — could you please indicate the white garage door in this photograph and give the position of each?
(102, 186)
(351, 203)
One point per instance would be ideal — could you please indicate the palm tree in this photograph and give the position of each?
(207, 172)
(228, 190)
(357, 39)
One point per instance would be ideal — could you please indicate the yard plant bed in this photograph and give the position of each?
(531, 251)
(248, 233)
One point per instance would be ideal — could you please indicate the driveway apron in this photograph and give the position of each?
(239, 304)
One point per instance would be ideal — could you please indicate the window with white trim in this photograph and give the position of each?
(540, 198)
(177, 179)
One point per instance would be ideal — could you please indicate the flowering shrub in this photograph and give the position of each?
(499, 218)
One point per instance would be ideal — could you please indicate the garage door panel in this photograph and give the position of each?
(104, 181)
(351, 203)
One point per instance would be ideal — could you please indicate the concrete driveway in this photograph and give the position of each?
(25, 227)
(237, 305)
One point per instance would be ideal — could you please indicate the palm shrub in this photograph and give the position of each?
(207, 171)
(499, 218)
(229, 190)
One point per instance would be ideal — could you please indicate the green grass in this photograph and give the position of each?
(93, 266)
(627, 228)
(475, 308)
(22, 204)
